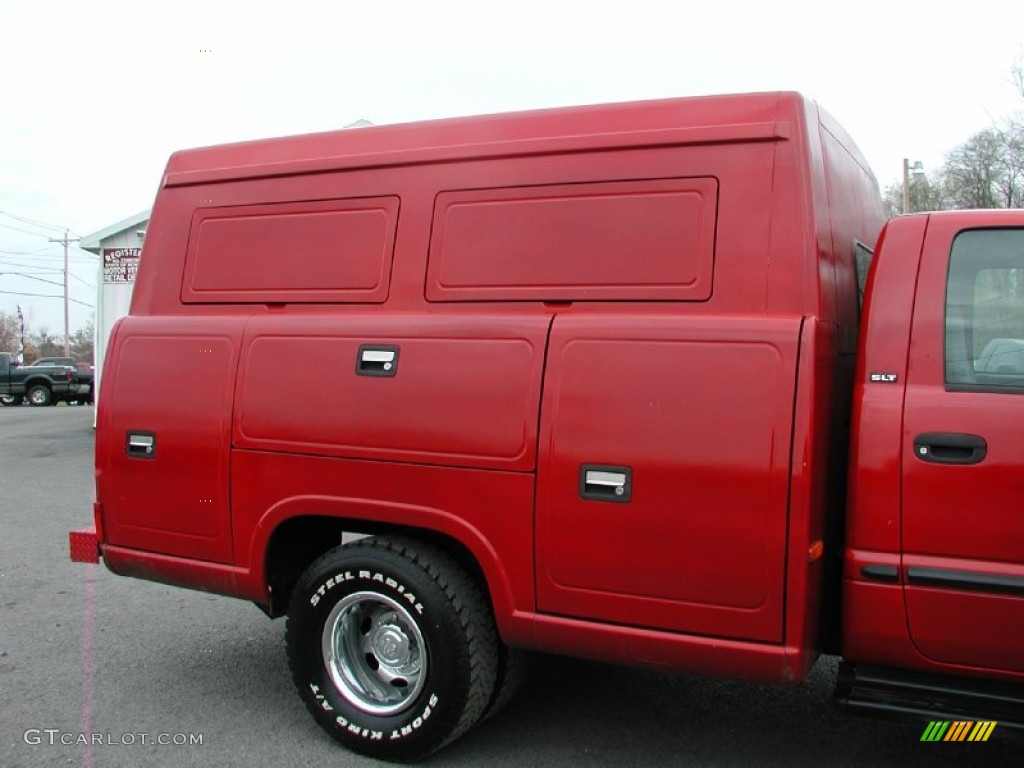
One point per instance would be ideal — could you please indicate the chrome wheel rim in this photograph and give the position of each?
(375, 654)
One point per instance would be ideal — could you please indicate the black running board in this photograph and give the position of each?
(902, 694)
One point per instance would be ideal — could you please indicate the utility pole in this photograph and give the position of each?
(906, 186)
(917, 169)
(67, 331)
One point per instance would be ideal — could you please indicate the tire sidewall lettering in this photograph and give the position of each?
(376, 579)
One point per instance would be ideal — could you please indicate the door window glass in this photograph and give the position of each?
(985, 311)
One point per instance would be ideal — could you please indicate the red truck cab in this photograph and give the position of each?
(934, 561)
(583, 378)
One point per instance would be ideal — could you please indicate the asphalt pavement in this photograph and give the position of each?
(98, 670)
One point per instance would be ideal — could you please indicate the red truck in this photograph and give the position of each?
(593, 381)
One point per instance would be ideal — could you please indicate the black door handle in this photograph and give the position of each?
(950, 448)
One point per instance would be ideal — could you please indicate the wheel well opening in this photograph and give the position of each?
(293, 546)
(298, 542)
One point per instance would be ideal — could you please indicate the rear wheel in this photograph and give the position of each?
(392, 646)
(513, 666)
(8, 400)
(39, 394)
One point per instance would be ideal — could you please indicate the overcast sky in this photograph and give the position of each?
(97, 94)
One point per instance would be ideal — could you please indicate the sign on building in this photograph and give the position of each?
(120, 264)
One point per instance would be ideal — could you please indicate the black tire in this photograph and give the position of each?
(10, 400)
(513, 665)
(39, 395)
(392, 647)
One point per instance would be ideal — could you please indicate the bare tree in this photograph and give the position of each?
(44, 343)
(1010, 183)
(82, 343)
(974, 172)
(925, 195)
(986, 171)
(9, 332)
(1013, 138)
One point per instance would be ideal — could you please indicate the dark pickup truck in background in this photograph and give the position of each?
(86, 376)
(44, 384)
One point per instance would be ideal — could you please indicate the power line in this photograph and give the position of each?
(29, 270)
(23, 253)
(44, 280)
(32, 277)
(83, 282)
(12, 263)
(40, 255)
(42, 224)
(48, 296)
(27, 232)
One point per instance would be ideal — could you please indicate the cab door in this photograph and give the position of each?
(963, 445)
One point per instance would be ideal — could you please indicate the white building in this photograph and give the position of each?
(119, 247)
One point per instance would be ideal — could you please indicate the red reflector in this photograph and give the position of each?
(85, 546)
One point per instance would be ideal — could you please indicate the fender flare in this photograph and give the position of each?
(389, 513)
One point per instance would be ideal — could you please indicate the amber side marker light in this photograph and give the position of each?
(816, 550)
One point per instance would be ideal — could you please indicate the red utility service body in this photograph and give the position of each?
(604, 356)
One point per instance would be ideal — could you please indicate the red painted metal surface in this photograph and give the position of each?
(907, 516)
(464, 392)
(961, 520)
(317, 251)
(874, 618)
(171, 379)
(489, 512)
(575, 241)
(700, 546)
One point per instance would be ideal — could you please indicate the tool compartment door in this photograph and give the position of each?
(448, 390)
(664, 472)
(163, 435)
